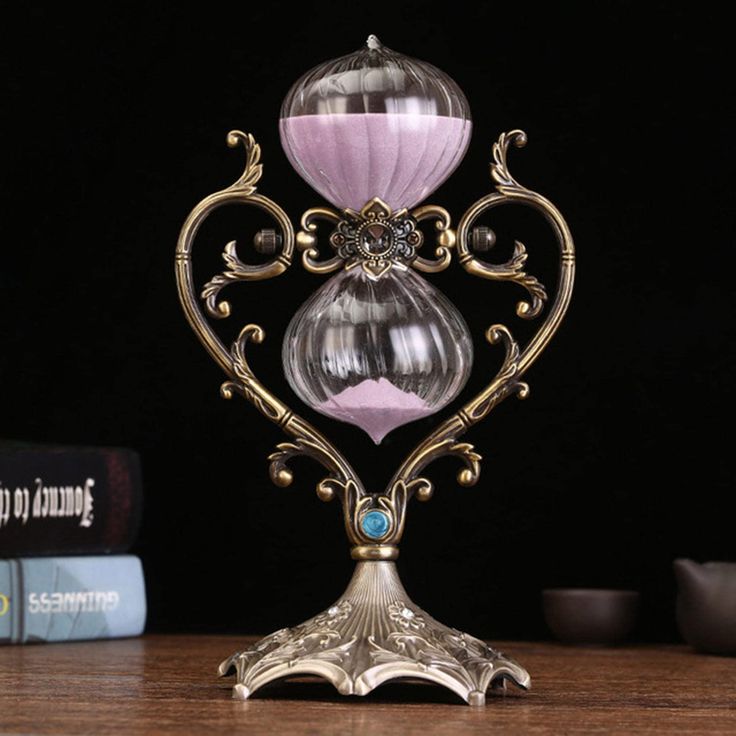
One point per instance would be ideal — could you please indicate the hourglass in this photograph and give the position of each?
(376, 346)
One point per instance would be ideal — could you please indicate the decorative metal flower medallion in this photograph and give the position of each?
(376, 237)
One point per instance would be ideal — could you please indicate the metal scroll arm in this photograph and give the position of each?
(306, 439)
(444, 440)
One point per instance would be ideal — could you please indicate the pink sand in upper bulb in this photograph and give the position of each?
(351, 158)
(376, 407)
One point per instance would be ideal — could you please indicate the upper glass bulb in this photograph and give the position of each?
(375, 123)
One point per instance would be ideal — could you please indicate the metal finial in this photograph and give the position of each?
(373, 43)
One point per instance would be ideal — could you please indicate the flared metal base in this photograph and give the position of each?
(372, 634)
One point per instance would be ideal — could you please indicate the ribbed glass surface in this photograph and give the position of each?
(375, 123)
(377, 353)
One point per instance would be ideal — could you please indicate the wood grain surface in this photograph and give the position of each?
(167, 685)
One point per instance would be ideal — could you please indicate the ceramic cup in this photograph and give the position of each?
(706, 605)
(590, 615)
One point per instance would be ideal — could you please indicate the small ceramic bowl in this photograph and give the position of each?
(590, 615)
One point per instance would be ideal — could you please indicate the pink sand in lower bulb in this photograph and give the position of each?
(376, 407)
(349, 158)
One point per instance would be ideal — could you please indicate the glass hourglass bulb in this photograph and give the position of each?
(377, 353)
(375, 123)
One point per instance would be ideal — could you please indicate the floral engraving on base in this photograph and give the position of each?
(317, 639)
(431, 645)
(405, 617)
(343, 645)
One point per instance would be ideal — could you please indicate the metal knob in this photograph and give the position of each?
(267, 241)
(482, 238)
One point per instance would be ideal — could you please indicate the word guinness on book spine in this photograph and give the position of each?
(71, 598)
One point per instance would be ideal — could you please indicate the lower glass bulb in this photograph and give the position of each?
(377, 352)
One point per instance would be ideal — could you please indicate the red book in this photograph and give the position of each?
(58, 500)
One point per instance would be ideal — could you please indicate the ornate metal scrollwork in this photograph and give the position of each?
(306, 240)
(242, 191)
(374, 633)
(444, 440)
(402, 242)
(307, 440)
(508, 190)
(445, 238)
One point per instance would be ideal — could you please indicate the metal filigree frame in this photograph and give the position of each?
(293, 651)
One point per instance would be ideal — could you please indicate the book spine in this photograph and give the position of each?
(67, 501)
(71, 598)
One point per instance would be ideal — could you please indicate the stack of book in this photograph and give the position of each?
(67, 516)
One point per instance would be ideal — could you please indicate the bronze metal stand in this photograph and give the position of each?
(374, 633)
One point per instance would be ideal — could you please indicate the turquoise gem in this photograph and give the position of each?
(375, 524)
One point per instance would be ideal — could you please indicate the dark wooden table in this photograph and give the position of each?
(167, 685)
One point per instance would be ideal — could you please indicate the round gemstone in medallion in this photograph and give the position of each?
(376, 239)
(375, 524)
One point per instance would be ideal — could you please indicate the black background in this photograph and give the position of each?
(621, 458)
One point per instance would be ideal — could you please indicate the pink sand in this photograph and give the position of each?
(351, 158)
(376, 407)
